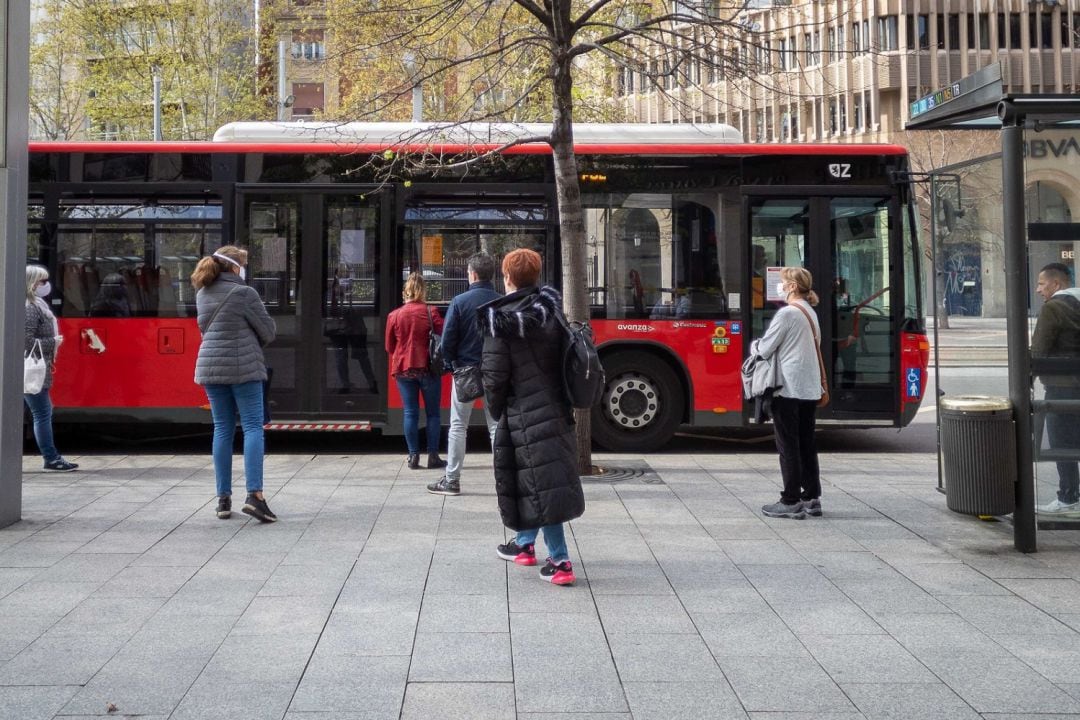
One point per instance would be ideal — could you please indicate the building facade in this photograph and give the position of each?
(846, 71)
(836, 71)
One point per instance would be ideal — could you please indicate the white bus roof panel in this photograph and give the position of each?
(471, 133)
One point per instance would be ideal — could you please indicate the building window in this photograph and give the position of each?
(792, 60)
(858, 115)
(841, 45)
(918, 28)
(308, 44)
(984, 31)
(783, 54)
(954, 31)
(307, 99)
(1046, 21)
(866, 111)
(1014, 31)
(843, 114)
(808, 49)
(832, 117)
(856, 38)
(888, 37)
(831, 54)
(817, 47)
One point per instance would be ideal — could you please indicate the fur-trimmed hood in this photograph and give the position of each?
(514, 315)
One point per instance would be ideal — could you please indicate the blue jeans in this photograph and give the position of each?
(225, 402)
(430, 386)
(554, 538)
(41, 409)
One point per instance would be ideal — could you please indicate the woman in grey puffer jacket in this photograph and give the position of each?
(235, 326)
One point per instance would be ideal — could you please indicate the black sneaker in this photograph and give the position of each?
(561, 574)
(516, 553)
(434, 461)
(258, 509)
(445, 486)
(224, 507)
(61, 465)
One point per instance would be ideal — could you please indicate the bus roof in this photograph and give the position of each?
(589, 139)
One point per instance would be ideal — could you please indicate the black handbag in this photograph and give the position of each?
(436, 364)
(468, 383)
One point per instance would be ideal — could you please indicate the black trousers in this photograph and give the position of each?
(793, 422)
(1063, 431)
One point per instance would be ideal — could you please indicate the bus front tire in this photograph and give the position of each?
(642, 404)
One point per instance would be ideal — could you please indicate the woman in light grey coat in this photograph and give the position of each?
(235, 326)
(793, 341)
(42, 329)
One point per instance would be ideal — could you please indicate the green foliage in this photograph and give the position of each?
(93, 66)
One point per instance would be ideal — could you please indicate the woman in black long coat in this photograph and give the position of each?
(536, 475)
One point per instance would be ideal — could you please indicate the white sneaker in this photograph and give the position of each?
(1056, 507)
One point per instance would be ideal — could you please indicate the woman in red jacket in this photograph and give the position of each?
(407, 331)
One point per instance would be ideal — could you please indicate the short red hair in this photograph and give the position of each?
(522, 266)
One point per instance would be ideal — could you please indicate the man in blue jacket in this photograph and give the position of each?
(462, 346)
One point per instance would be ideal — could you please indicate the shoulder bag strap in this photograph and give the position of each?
(817, 343)
(225, 299)
(431, 322)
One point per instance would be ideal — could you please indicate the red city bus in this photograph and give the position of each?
(686, 228)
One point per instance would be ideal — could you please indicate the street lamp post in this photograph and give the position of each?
(417, 88)
(156, 69)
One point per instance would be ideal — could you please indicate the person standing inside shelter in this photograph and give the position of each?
(536, 476)
(462, 346)
(231, 368)
(1057, 335)
(793, 338)
(42, 328)
(407, 332)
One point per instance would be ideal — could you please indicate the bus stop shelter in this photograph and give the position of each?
(1042, 130)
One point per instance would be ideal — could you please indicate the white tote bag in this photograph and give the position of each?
(34, 370)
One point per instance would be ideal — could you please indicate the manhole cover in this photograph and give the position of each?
(622, 474)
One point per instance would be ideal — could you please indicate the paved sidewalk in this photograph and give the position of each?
(374, 599)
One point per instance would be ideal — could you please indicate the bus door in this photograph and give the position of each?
(848, 245)
(314, 261)
(440, 232)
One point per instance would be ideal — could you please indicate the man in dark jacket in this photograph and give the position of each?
(1057, 335)
(462, 345)
(536, 477)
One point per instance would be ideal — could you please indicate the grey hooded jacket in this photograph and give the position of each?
(231, 351)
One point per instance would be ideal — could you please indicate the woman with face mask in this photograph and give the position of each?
(793, 338)
(41, 327)
(235, 327)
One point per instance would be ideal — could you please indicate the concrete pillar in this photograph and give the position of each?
(15, 117)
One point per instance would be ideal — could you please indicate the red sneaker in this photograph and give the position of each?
(519, 555)
(561, 574)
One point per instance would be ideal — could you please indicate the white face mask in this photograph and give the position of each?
(780, 291)
(43, 291)
(243, 273)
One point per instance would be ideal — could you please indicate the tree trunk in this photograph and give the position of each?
(571, 218)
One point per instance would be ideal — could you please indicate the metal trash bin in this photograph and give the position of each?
(978, 449)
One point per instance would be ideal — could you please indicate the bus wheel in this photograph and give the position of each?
(642, 404)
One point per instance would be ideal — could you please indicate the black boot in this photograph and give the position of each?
(414, 461)
(434, 461)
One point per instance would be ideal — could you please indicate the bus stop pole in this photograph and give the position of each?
(1016, 294)
(14, 115)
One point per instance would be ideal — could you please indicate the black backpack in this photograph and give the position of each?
(583, 375)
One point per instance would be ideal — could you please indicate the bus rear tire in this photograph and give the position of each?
(642, 404)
